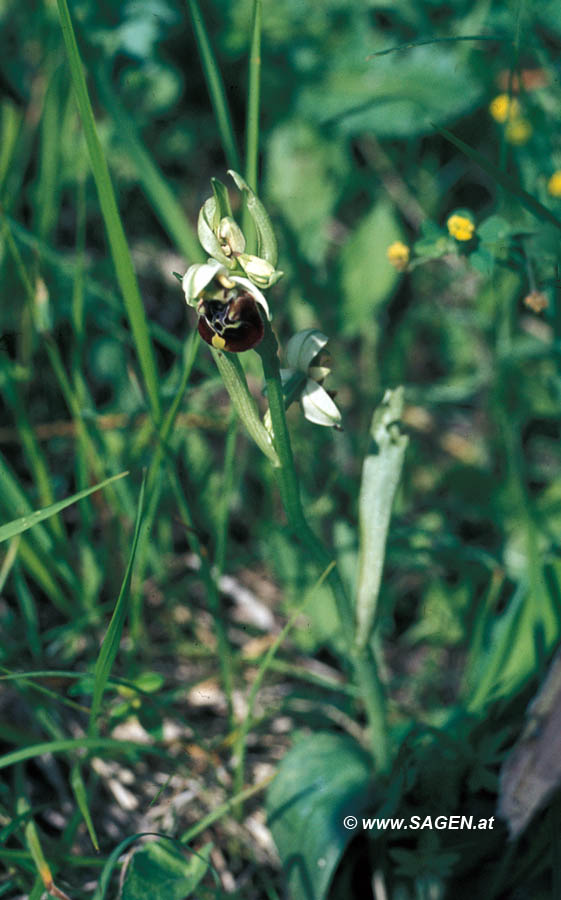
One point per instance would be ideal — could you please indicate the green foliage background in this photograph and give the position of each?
(351, 159)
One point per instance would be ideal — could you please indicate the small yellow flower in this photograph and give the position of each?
(398, 254)
(503, 108)
(518, 131)
(536, 301)
(460, 227)
(554, 184)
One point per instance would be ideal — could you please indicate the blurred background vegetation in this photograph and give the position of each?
(351, 160)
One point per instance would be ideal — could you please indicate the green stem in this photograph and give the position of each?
(366, 672)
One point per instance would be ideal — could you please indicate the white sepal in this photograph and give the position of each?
(317, 405)
(303, 347)
(198, 276)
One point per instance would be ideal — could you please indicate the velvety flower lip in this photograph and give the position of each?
(235, 325)
(227, 304)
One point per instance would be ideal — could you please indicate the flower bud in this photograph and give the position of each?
(261, 272)
(230, 236)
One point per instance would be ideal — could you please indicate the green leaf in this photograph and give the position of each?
(398, 95)
(434, 247)
(494, 229)
(215, 84)
(120, 252)
(161, 872)
(367, 278)
(381, 472)
(322, 779)
(235, 383)
(483, 260)
(16, 526)
(304, 177)
(81, 796)
(112, 637)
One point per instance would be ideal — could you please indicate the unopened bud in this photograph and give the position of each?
(230, 235)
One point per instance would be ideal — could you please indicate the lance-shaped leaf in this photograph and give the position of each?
(381, 472)
(266, 241)
(235, 383)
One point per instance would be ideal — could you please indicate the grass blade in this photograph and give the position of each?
(117, 241)
(80, 793)
(215, 86)
(154, 185)
(253, 97)
(112, 637)
(440, 40)
(10, 529)
(71, 745)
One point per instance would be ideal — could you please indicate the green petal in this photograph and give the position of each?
(266, 241)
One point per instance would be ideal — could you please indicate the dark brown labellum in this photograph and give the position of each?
(234, 326)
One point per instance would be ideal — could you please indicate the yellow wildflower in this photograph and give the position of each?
(536, 301)
(460, 227)
(554, 184)
(503, 108)
(398, 254)
(518, 131)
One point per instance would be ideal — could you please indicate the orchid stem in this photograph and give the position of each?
(366, 672)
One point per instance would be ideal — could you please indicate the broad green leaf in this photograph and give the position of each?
(304, 177)
(159, 871)
(10, 529)
(381, 472)
(112, 637)
(367, 278)
(398, 95)
(322, 779)
(494, 229)
(483, 260)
